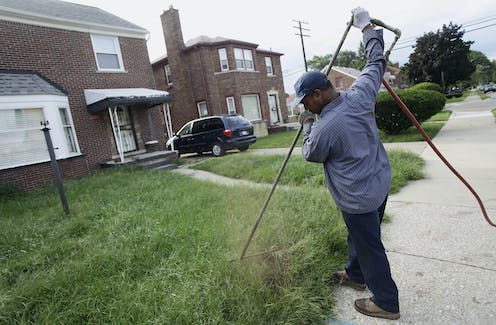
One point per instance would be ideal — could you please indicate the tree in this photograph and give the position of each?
(484, 69)
(346, 58)
(441, 57)
(318, 62)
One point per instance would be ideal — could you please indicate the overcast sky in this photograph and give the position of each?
(270, 23)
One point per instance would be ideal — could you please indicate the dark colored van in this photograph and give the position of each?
(214, 133)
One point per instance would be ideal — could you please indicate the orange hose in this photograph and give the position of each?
(438, 153)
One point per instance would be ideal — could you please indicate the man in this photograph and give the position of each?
(356, 166)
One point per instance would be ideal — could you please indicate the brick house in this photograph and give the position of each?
(213, 76)
(88, 73)
(343, 77)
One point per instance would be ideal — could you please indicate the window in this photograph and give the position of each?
(186, 129)
(224, 65)
(21, 141)
(251, 107)
(202, 109)
(68, 128)
(207, 125)
(231, 106)
(268, 65)
(339, 82)
(107, 53)
(244, 59)
(168, 76)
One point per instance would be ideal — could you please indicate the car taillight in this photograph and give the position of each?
(228, 133)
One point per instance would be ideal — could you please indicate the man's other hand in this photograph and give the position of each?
(306, 117)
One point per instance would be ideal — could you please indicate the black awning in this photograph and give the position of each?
(98, 100)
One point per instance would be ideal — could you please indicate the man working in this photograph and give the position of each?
(356, 166)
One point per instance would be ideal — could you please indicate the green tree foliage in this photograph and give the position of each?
(485, 70)
(440, 55)
(346, 58)
(422, 103)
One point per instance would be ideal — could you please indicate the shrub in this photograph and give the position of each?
(427, 86)
(7, 191)
(422, 103)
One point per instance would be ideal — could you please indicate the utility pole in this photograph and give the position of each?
(300, 33)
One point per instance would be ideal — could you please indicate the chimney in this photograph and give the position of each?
(173, 34)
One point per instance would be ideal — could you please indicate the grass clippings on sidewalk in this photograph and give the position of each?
(145, 247)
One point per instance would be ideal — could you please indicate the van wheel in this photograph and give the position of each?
(243, 148)
(218, 149)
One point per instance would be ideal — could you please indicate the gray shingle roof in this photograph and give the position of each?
(13, 84)
(69, 11)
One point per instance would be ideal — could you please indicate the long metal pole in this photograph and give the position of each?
(55, 167)
(295, 140)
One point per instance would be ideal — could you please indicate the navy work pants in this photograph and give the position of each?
(367, 260)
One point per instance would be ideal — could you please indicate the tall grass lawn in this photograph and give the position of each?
(150, 247)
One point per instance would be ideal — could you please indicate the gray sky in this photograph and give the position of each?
(269, 23)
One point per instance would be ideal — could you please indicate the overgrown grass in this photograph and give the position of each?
(145, 247)
(431, 127)
(405, 167)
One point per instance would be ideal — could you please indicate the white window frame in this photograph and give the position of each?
(168, 74)
(68, 128)
(244, 59)
(198, 105)
(117, 51)
(258, 104)
(269, 66)
(231, 105)
(224, 63)
(49, 104)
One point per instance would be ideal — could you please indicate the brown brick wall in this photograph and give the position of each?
(197, 76)
(66, 58)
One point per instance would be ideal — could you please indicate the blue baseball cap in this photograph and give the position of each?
(307, 83)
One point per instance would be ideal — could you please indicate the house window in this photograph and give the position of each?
(231, 106)
(224, 65)
(268, 65)
(244, 59)
(168, 77)
(202, 109)
(107, 53)
(339, 82)
(251, 107)
(21, 140)
(68, 128)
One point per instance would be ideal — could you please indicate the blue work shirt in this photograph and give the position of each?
(346, 141)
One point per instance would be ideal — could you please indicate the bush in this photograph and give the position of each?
(7, 191)
(427, 86)
(422, 103)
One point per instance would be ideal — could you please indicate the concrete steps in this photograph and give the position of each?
(157, 160)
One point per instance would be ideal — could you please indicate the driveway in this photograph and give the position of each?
(441, 250)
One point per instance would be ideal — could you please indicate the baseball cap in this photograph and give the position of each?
(307, 83)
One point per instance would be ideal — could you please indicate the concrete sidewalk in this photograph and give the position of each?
(441, 250)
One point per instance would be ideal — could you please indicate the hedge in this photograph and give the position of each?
(422, 103)
(427, 86)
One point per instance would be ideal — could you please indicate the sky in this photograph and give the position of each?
(270, 24)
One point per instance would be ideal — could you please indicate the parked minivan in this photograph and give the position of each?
(214, 133)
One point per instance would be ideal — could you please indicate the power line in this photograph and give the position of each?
(301, 29)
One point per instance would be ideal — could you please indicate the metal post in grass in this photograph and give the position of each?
(55, 167)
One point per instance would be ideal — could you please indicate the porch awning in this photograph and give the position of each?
(98, 100)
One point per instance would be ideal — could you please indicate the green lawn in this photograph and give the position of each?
(405, 167)
(483, 95)
(431, 127)
(145, 247)
(466, 93)
(149, 247)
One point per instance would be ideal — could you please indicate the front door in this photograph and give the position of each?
(274, 109)
(123, 129)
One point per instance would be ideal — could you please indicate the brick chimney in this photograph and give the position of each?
(173, 34)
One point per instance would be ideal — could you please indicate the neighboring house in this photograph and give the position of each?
(343, 77)
(86, 72)
(213, 76)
